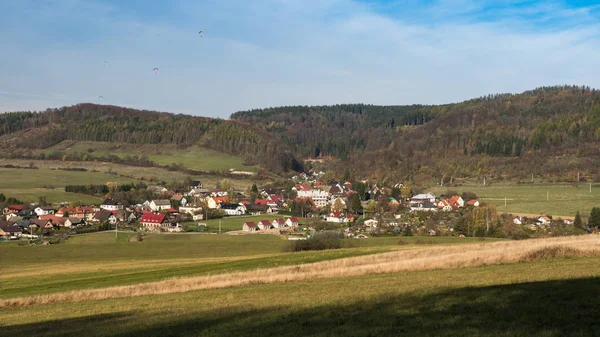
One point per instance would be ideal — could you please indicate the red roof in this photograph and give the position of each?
(318, 184)
(294, 219)
(472, 202)
(303, 187)
(265, 222)
(261, 201)
(250, 224)
(245, 202)
(153, 218)
(15, 207)
(454, 199)
(276, 197)
(172, 210)
(279, 221)
(335, 214)
(220, 200)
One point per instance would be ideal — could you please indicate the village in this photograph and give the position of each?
(374, 210)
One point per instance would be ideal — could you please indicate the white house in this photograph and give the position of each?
(278, 223)
(264, 224)
(544, 220)
(110, 205)
(444, 205)
(44, 210)
(291, 222)
(160, 204)
(518, 220)
(249, 226)
(233, 209)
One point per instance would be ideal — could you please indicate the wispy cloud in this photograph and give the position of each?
(288, 52)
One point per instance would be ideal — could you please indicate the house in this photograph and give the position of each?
(264, 224)
(568, 222)
(160, 204)
(44, 210)
(104, 216)
(110, 205)
(217, 192)
(73, 222)
(154, 222)
(259, 209)
(421, 198)
(393, 201)
(518, 220)
(10, 230)
(199, 192)
(233, 209)
(278, 223)
(336, 217)
(473, 203)
(215, 202)
(56, 220)
(249, 226)
(13, 208)
(423, 206)
(179, 198)
(444, 205)
(82, 212)
(456, 201)
(544, 220)
(291, 222)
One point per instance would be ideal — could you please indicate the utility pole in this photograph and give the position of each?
(547, 195)
(504, 201)
(590, 187)
(116, 230)
(219, 226)
(532, 178)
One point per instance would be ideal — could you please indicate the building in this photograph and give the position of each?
(291, 222)
(73, 222)
(233, 209)
(336, 217)
(423, 206)
(104, 216)
(154, 222)
(10, 230)
(422, 198)
(278, 223)
(160, 205)
(319, 197)
(44, 210)
(110, 205)
(264, 224)
(249, 226)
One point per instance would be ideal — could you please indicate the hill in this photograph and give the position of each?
(549, 132)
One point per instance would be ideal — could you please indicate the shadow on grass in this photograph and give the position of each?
(553, 308)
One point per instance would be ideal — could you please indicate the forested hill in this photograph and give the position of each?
(90, 122)
(549, 131)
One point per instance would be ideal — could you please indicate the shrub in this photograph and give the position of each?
(319, 241)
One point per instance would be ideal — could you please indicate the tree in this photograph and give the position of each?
(42, 200)
(254, 189)
(354, 204)
(225, 184)
(594, 220)
(347, 174)
(578, 222)
(338, 206)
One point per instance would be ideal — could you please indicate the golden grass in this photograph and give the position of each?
(447, 257)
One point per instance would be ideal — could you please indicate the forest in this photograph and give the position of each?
(548, 131)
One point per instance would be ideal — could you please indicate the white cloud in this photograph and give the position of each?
(284, 52)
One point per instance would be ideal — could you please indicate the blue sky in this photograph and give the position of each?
(266, 53)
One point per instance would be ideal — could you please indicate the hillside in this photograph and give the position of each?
(21, 133)
(549, 132)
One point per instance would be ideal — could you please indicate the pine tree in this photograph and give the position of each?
(594, 220)
(578, 222)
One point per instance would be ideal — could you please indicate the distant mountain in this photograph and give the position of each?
(551, 131)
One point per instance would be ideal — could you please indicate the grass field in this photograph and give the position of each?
(235, 223)
(556, 200)
(17, 179)
(28, 185)
(194, 157)
(547, 297)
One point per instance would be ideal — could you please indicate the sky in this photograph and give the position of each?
(266, 53)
